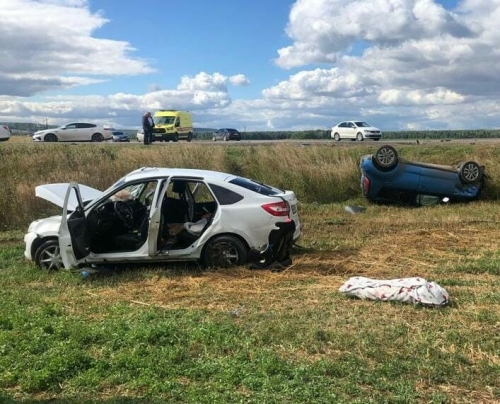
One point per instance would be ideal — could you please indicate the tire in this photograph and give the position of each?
(190, 137)
(336, 137)
(470, 172)
(176, 137)
(359, 137)
(224, 252)
(386, 157)
(50, 138)
(48, 256)
(376, 139)
(97, 137)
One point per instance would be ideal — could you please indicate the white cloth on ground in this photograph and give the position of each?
(405, 290)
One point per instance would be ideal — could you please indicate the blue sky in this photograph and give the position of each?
(186, 37)
(254, 64)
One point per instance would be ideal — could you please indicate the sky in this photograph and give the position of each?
(255, 65)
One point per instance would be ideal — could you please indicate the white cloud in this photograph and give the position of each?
(395, 63)
(321, 30)
(239, 80)
(49, 44)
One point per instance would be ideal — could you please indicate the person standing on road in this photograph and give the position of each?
(147, 126)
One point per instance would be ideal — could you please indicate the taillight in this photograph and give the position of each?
(366, 185)
(277, 208)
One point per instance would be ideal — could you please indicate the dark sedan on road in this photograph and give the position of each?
(119, 136)
(226, 134)
(387, 178)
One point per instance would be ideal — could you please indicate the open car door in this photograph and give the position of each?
(73, 233)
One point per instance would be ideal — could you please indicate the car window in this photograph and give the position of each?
(362, 125)
(224, 195)
(70, 126)
(140, 191)
(256, 186)
(200, 192)
(342, 124)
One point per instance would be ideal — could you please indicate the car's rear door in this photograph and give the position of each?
(74, 241)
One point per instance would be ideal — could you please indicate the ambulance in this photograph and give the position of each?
(171, 124)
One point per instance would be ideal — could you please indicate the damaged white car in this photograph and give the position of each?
(162, 215)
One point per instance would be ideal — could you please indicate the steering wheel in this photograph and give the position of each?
(125, 213)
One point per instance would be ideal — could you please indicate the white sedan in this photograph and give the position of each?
(75, 132)
(4, 133)
(355, 130)
(160, 215)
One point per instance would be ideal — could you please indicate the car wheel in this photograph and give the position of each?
(470, 172)
(48, 256)
(190, 137)
(97, 137)
(224, 252)
(336, 137)
(176, 137)
(50, 138)
(386, 157)
(359, 137)
(376, 139)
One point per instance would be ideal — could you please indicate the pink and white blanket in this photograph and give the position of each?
(405, 290)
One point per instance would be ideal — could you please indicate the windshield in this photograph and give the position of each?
(256, 186)
(362, 125)
(164, 120)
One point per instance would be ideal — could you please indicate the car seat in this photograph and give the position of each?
(133, 241)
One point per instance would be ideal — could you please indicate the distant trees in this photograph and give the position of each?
(325, 134)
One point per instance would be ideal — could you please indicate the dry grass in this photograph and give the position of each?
(446, 355)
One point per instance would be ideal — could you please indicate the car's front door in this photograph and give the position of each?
(73, 233)
(68, 133)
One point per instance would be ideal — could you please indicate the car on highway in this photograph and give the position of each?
(355, 130)
(161, 215)
(119, 136)
(385, 177)
(74, 132)
(4, 133)
(226, 134)
(140, 135)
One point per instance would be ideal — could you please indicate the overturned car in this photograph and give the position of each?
(162, 215)
(387, 178)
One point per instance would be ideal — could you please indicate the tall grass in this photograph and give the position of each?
(317, 173)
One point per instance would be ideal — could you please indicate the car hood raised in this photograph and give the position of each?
(56, 193)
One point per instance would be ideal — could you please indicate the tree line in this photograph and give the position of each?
(325, 134)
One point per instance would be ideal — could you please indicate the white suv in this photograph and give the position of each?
(4, 132)
(75, 132)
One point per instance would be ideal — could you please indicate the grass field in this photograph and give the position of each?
(182, 334)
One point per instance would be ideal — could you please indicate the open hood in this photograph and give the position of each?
(56, 193)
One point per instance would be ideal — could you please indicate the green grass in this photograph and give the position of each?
(179, 334)
(170, 334)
